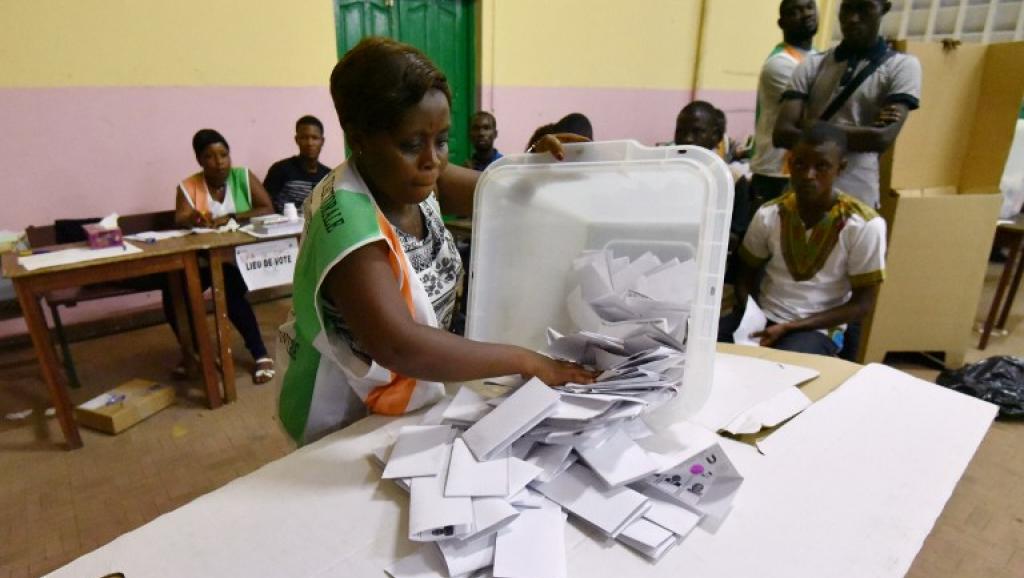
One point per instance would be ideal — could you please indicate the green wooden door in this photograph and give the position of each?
(443, 29)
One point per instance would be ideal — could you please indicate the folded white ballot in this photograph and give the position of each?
(491, 514)
(579, 408)
(380, 456)
(425, 562)
(521, 448)
(671, 515)
(533, 546)
(420, 451)
(467, 407)
(617, 459)
(551, 459)
(753, 321)
(469, 555)
(433, 516)
(582, 346)
(469, 477)
(706, 483)
(527, 498)
(590, 318)
(500, 428)
(586, 497)
(435, 415)
(682, 442)
(623, 279)
(673, 282)
(520, 473)
(617, 296)
(648, 538)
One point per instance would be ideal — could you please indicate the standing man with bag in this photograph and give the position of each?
(861, 86)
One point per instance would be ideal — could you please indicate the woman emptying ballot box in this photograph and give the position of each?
(375, 279)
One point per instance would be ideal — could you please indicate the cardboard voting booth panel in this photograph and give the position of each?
(943, 178)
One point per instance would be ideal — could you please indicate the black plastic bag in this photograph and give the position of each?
(998, 380)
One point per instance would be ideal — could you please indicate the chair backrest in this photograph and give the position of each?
(141, 222)
(70, 230)
(40, 236)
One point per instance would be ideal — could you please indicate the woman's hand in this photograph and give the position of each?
(553, 372)
(552, 143)
(200, 219)
(221, 221)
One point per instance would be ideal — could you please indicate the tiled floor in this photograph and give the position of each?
(56, 505)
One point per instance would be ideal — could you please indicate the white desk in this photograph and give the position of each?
(849, 488)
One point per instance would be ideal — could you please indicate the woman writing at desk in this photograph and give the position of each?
(210, 198)
(375, 279)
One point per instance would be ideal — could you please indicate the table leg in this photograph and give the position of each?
(1014, 285)
(223, 325)
(1004, 281)
(176, 284)
(33, 314)
(195, 297)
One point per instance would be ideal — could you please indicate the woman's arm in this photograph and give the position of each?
(261, 204)
(457, 185)
(363, 289)
(455, 190)
(185, 216)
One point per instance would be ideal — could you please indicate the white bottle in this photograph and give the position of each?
(290, 212)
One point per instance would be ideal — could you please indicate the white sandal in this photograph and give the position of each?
(263, 375)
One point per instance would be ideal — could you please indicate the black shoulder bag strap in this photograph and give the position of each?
(848, 90)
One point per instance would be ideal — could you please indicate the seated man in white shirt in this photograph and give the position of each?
(821, 250)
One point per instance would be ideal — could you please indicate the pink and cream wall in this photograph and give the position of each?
(99, 99)
(629, 66)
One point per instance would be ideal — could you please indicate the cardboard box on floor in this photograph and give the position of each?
(125, 405)
(943, 175)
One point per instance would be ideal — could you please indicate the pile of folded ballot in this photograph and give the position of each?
(615, 295)
(493, 478)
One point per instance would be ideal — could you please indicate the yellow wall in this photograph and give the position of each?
(645, 44)
(50, 43)
(738, 35)
(583, 43)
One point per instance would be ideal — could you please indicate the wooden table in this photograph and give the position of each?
(221, 247)
(176, 257)
(1009, 235)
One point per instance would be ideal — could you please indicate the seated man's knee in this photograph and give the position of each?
(814, 342)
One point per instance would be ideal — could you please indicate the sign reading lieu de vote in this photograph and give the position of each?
(267, 264)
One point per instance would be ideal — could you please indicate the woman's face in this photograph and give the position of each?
(216, 162)
(403, 165)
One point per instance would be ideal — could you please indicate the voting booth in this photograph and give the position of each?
(941, 198)
(534, 215)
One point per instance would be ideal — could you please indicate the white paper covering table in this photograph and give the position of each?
(849, 488)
